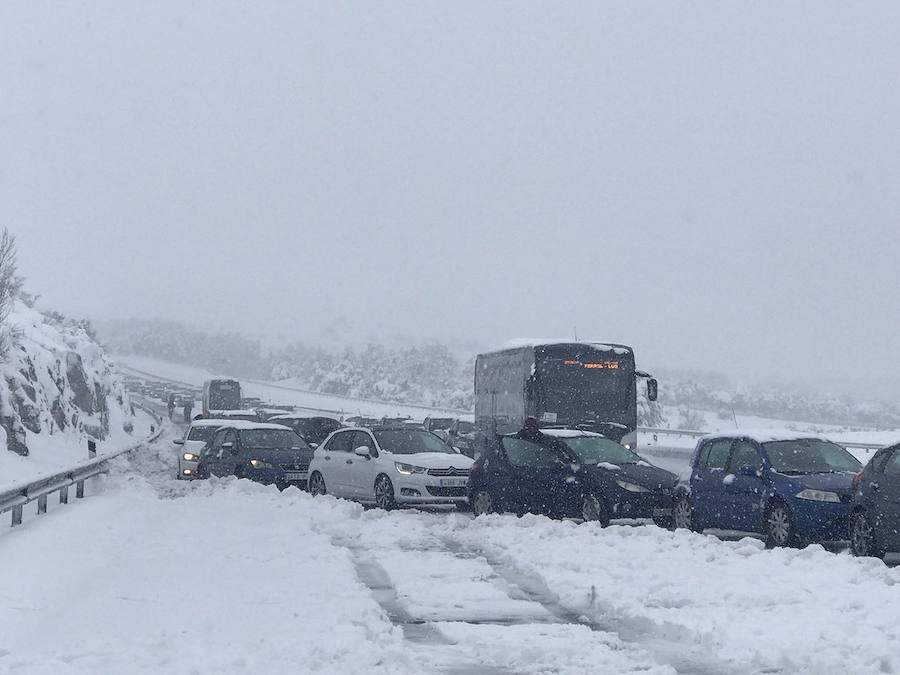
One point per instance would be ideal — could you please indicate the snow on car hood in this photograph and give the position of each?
(641, 473)
(434, 460)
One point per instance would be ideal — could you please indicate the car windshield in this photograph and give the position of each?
(272, 439)
(596, 450)
(466, 427)
(204, 433)
(410, 442)
(441, 423)
(809, 455)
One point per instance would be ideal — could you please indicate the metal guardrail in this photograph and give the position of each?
(15, 498)
(697, 434)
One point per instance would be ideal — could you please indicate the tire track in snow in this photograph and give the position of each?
(669, 645)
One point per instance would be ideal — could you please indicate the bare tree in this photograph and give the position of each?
(10, 287)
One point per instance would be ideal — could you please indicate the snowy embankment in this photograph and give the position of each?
(57, 390)
(230, 576)
(280, 394)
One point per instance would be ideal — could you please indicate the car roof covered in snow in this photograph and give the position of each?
(569, 433)
(765, 435)
(302, 416)
(243, 425)
(216, 422)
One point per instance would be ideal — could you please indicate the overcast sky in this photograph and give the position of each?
(717, 184)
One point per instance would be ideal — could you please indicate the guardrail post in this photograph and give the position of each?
(16, 516)
(79, 489)
(64, 495)
(42, 504)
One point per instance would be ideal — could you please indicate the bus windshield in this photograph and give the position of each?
(571, 391)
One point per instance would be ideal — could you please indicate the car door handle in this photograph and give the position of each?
(349, 461)
(328, 457)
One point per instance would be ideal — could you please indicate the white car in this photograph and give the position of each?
(388, 467)
(195, 438)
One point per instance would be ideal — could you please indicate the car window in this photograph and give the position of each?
(341, 442)
(528, 454)
(743, 454)
(361, 438)
(892, 465)
(272, 439)
(231, 437)
(716, 455)
(204, 433)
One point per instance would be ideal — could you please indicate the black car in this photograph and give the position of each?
(266, 453)
(313, 428)
(875, 507)
(569, 473)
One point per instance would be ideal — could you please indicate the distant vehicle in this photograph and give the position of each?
(314, 428)
(221, 395)
(242, 415)
(396, 421)
(564, 473)
(265, 453)
(198, 434)
(388, 467)
(588, 386)
(269, 411)
(875, 508)
(790, 488)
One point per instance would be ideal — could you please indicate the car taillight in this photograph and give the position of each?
(857, 478)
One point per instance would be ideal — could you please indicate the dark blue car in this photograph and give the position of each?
(569, 473)
(875, 509)
(791, 489)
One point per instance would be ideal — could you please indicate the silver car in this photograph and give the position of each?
(195, 438)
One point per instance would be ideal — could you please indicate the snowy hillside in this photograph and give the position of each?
(57, 390)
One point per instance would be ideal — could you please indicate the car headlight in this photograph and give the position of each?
(260, 464)
(190, 457)
(819, 496)
(628, 446)
(408, 469)
(631, 487)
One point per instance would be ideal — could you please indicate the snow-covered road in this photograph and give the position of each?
(152, 575)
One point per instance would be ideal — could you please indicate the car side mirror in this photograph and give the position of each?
(178, 441)
(457, 450)
(228, 446)
(363, 451)
(750, 471)
(314, 445)
(652, 389)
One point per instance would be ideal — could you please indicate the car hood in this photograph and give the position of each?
(842, 483)
(281, 456)
(434, 460)
(643, 474)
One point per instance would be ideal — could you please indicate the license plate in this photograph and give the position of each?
(658, 513)
(295, 475)
(453, 482)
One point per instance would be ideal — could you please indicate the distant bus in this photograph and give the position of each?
(221, 395)
(589, 386)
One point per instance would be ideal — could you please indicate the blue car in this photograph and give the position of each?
(792, 489)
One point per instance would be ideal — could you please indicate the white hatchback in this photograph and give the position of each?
(194, 440)
(388, 467)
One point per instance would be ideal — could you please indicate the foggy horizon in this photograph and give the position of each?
(715, 186)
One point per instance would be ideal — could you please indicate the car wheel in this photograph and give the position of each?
(779, 526)
(384, 493)
(317, 485)
(594, 510)
(483, 503)
(683, 515)
(862, 536)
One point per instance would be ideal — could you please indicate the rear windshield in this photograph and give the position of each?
(809, 455)
(594, 450)
(272, 439)
(410, 442)
(204, 433)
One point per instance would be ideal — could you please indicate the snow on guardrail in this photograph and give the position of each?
(15, 498)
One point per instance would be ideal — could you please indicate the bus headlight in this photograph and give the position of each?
(190, 457)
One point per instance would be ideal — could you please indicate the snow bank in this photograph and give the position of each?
(57, 389)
